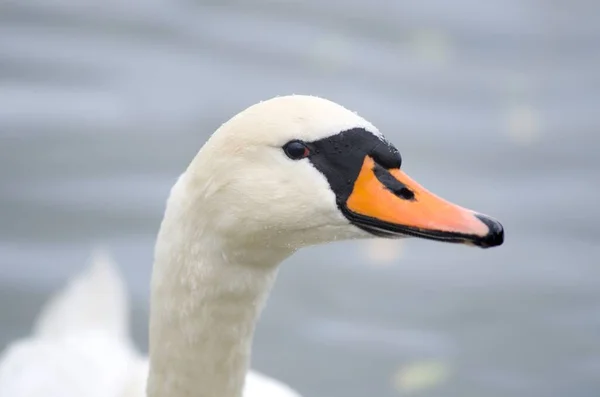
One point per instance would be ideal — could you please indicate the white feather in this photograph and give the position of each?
(80, 346)
(94, 300)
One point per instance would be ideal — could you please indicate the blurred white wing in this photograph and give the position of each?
(258, 385)
(94, 300)
(80, 345)
(86, 365)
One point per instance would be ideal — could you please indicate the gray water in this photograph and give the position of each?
(493, 104)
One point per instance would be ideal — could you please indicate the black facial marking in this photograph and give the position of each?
(386, 155)
(392, 184)
(340, 158)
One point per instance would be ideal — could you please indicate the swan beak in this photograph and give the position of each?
(388, 203)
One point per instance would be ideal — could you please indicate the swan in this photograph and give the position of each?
(283, 174)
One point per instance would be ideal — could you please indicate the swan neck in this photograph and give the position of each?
(204, 309)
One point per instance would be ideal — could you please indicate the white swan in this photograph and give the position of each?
(283, 174)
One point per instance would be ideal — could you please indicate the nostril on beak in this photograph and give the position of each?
(392, 184)
(495, 236)
(406, 193)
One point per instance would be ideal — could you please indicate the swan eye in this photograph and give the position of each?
(296, 150)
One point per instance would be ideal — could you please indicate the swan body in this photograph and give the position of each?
(281, 175)
(80, 345)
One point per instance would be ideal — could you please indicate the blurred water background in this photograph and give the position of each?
(494, 105)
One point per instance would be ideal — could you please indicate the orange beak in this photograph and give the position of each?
(389, 203)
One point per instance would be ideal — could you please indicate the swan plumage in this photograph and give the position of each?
(281, 175)
(80, 344)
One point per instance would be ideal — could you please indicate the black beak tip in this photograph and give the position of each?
(495, 236)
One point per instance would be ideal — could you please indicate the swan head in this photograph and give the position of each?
(301, 170)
